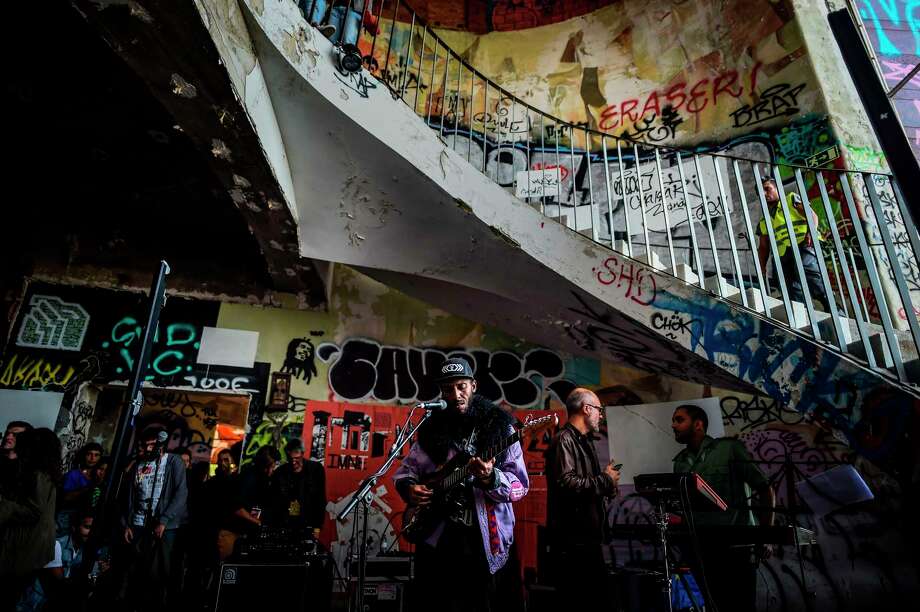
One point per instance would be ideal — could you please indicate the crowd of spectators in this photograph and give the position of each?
(171, 524)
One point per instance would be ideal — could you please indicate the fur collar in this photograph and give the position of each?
(450, 428)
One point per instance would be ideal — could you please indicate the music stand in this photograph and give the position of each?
(673, 491)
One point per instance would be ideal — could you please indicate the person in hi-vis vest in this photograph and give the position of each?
(803, 239)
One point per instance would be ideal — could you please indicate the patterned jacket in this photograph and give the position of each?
(492, 504)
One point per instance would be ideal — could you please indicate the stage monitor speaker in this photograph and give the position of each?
(302, 586)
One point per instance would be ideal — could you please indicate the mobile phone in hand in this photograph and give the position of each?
(618, 466)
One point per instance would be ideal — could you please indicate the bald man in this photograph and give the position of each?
(577, 489)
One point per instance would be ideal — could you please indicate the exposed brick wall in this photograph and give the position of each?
(482, 16)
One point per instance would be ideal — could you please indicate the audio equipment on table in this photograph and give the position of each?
(668, 488)
(279, 545)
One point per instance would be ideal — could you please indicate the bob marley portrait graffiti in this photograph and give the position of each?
(299, 360)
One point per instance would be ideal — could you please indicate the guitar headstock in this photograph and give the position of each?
(533, 426)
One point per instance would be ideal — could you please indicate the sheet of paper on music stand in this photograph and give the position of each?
(40, 408)
(640, 436)
(228, 347)
(833, 489)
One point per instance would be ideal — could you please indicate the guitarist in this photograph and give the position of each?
(456, 566)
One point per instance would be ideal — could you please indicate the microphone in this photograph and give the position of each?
(433, 405)
(162, 437)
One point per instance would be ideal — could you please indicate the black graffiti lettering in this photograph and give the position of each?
(354, 373)
(362, 369)
(393, 379)
(778, 101)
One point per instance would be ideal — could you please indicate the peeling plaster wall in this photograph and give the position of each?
(224, 21)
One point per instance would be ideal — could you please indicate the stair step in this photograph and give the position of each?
(755, 300)
(826, 325)
(799, 313)
(879, 349)
(729, 291)
(685, 273)
(655, 260)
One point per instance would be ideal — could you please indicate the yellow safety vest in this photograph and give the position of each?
(799, 226)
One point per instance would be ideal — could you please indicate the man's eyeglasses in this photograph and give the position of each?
(598, 408)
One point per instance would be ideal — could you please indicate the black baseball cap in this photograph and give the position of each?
(453, 368)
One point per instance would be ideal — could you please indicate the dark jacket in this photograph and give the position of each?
(171, 509)
(27, 527)
(576, 488)
(307, 488)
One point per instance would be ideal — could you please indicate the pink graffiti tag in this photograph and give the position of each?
(639, 284)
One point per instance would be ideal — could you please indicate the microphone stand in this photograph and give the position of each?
(363, 496)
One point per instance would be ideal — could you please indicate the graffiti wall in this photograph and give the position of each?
(80, 340)
(893, 28)
(355, 368)
(655, 73)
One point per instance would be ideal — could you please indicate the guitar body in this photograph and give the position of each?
(450, 484)
(420, 521)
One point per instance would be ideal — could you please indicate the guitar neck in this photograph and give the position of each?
(461, 473)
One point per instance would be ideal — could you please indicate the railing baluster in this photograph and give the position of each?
(542, 165)
(498, 133)
(386, 63)
(377, 30)
(730, 229)
(712, 239)
(421, 62)
(900, 282)
(594, 215)
(469, 136)
(629, 249)
(556, 131)
(607, 187)
(859, 289)
(774, 249)
(485, 126)
(874, 280)
(444, 101)
(434, 62)
(664, 210)
(753, 243)
(405, 74)
(574, 175)
(649, 258)
(815, 236)
(796, 255)
(844, 270)
(693, 242)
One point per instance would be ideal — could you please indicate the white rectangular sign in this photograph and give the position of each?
(537, 183)
(228, 347)
(640, 437)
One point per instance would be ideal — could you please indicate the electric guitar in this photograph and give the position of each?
(449, 484)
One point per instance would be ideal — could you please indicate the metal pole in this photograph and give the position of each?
(133, 401)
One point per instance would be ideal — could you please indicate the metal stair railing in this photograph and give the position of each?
(627, 195)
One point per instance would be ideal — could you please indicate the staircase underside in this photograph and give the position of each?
(376, 188)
